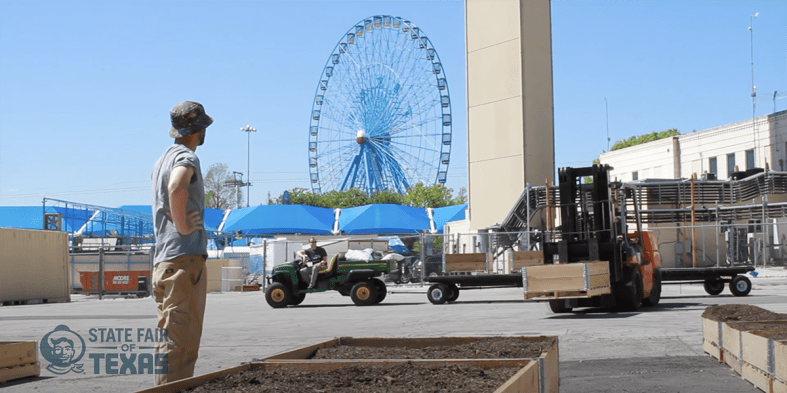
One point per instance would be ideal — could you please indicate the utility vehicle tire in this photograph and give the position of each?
(278, 295)
(437, 294)
(559, 306)
(655, 293)
(740, 286)
(382, 291)
(714, 287)
(296, 300)
(364, 294)
(628, 294)
(454, 292)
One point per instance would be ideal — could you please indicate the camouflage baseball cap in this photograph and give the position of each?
(188, 117)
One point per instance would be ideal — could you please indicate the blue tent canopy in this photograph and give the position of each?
(383, 218)
(212, 218)
(442, 215)
(269, 219)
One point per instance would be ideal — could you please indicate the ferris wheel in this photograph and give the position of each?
(381, 117)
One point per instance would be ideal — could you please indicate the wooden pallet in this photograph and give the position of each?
(568, 294)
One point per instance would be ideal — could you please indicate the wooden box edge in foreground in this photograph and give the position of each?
(536, 375)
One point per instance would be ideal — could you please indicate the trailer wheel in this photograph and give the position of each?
(714, 287)
(740, 286)
(278, 295)
(628, 294)
(296, 300)
(364, 294)
(437, 294)
(453, 293)
(559, 306)
(655, 293)
(382, 291)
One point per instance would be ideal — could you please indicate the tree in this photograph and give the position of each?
(218, 193)
(388, 196)
(420, 195)
(417, 196)
(639, 139)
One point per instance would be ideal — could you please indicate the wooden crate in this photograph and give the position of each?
(536, 375)
(520, 259)
(780, 359)
(778, 386)
(569, 280)
(758, 359)
(18, 359)
(465, 262)
(757, 377)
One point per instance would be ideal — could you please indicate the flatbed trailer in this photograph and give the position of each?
(446, 288)
(713, 278)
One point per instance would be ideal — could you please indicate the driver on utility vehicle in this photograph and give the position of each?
(312, 255)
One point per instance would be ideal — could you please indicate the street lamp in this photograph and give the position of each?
(248, 130)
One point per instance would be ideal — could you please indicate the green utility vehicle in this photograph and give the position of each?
(287, 284)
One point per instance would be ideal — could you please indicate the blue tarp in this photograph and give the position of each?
(383, 218)
(442, 215)
(32, 217)
(271, 219)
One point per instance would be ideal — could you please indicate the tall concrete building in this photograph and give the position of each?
(509, 104)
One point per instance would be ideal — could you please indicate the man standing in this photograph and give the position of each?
(317, 256)
(179, 276)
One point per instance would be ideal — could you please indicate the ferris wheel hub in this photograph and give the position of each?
(360, 136)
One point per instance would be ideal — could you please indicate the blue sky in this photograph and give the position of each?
(86, 86)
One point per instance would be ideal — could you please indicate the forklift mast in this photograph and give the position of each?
(593, 226)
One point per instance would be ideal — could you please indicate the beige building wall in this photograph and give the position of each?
(509, 103)
(684, 155)
(681, 156)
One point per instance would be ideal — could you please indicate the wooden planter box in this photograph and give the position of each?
(18, 360)
(535, 375)
(567, 280)
(757, 358)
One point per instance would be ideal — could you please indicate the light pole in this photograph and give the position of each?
(248, 130)
(753, 87)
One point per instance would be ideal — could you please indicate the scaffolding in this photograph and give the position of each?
(84, 220)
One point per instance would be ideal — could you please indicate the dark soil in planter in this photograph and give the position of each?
(484, 348)
(774, 335)
(741, 312)
(403, 378)
(366, 378)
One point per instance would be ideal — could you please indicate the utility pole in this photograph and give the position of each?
(237, 183)
(248, 130)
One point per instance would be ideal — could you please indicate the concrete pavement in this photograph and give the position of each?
(596, 347)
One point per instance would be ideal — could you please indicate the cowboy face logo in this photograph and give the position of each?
(63, 348)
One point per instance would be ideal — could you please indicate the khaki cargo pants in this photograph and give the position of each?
(180, 286)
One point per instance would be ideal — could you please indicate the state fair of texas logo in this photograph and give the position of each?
(63, 348)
